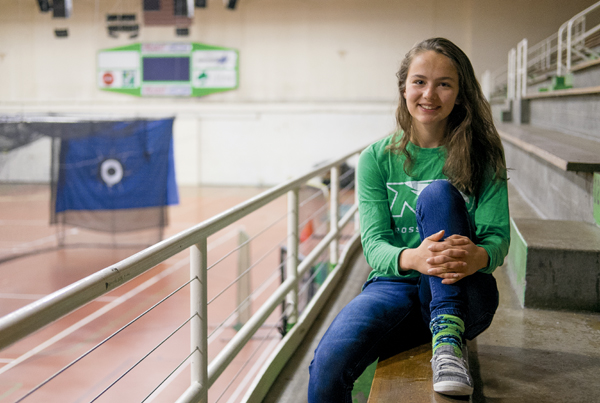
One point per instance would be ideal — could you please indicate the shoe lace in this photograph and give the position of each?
(451, 363)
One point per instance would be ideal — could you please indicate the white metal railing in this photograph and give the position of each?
(25, 321)
(553, 55)
(576, 34)
(511, 90)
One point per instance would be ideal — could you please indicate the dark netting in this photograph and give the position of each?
(111, 181)
(15, 135)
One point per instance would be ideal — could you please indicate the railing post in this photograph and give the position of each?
(559, 45)
(199, 328)
(569, 44)
(292, 256)
(356, 215)
(523, 88)
(548, 54)
(333, 214)
(244, 288)
(486, 84)
(511, 78)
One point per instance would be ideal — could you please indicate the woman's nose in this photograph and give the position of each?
(429, 92)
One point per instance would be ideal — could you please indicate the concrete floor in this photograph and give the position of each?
(526, 356)
(530, 355)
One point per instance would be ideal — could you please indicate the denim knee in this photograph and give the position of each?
(437, 191)
(440, 206)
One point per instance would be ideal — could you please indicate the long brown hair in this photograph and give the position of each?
(473, 146)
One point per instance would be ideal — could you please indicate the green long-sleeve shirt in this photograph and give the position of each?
(387, 199)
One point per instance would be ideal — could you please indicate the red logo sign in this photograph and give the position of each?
(108, 78)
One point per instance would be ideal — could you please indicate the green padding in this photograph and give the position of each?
(362, 386)
(597, 197)
(517, 259)
(322, 269)
(562, 82)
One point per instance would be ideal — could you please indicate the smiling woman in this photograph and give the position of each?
(442, 173)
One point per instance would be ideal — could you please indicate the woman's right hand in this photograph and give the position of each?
(416, 259)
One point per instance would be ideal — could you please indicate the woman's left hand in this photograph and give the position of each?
(476, 258)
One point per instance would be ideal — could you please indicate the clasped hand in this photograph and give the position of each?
(452, 259)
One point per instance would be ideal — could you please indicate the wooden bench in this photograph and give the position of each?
(407, 378)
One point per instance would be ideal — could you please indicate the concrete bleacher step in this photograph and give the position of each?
(555, 264)
(554, 171)
(573, 110)
(567, 152)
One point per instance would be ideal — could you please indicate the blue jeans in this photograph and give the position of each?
(392, 315)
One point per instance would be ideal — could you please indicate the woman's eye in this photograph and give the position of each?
(445, 84)
(419, 82)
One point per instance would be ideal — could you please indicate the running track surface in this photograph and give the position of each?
(24, 217)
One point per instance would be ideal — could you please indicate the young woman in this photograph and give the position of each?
(434, 224)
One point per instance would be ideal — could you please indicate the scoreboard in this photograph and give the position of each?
(168, 69)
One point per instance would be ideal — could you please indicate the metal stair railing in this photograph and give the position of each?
(555, 55)
(576, 35)
(27, 320)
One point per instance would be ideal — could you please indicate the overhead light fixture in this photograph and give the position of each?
(116, 23)
(62, 8)
(44, 6)
(61, 33)
(182, 31)
(180, 7)
(230, 4)
(183, 8)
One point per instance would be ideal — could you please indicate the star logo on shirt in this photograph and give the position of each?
(410, 191)
(406, 189)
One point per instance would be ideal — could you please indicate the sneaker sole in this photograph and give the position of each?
(453, 388)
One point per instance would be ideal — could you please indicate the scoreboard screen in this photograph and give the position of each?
(168, 69)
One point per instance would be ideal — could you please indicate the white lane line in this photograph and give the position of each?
(111, 305)
(9, 392)
(38, 242)
(23, 223)
(35, 297)
(94, 315)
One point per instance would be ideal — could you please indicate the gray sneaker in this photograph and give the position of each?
(450, 373)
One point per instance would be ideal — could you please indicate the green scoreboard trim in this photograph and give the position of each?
(212, 69)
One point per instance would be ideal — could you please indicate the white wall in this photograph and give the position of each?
(317, 77)
(27, 164)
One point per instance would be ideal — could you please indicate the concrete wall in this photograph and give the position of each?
(556, 194)
(578, 115)
(317, 78)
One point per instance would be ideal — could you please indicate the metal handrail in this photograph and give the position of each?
(26, 320)
(569, 26)
(522, 58)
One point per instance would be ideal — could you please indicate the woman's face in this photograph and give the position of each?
(431, 91)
